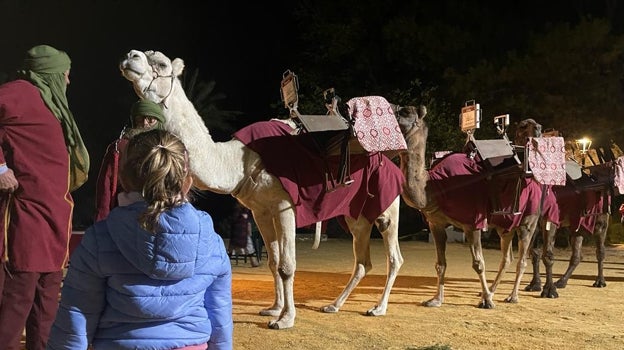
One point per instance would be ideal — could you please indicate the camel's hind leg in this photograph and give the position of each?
(361, 230)
(525, 234)
(506, 239)
(439, 238)
(576, 238)
(478, 264)
(600, 235)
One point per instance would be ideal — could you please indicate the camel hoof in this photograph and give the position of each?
(330, 309)
(432, 303)
(281, 324)
(599, 284)
(561, 283)
(533, 287)
(486, 304)
(550, 292)
(376, 311)
(511, 299)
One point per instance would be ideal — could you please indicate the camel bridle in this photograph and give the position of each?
(157, 75)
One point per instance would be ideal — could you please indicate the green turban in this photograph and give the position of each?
(147, 108)
(44, 66)
(46, 59)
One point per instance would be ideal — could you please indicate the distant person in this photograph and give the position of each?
(144, 115)
(42, 159)
(154, 274)
(241, 241)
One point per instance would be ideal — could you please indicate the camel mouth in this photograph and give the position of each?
(129, 72)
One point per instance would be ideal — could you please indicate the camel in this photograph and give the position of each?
(233, 168)
(594, 224)
(419, 193)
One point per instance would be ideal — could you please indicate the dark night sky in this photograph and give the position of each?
(244, 46)
(237, 44)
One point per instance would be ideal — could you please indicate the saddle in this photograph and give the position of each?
(362, 125)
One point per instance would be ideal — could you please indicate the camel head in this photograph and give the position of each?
(410, 118)
(152, 74)
(525, 129)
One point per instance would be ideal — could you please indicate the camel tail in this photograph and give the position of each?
(317, 235)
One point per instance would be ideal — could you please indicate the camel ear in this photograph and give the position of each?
(178, 66)
(422, 111)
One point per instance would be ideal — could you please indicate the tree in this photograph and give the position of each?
(569, 79)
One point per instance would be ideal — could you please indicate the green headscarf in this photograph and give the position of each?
(44, 66)
(147, 108)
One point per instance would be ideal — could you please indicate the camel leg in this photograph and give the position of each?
(600, 234)
(388, 225)
(360, 230)
(439, 238)
(505, 247)
(478, 264)
(525, 234)
(536, 252)
(284, 223)
(548, 258)
(265, 225)
(576, 242)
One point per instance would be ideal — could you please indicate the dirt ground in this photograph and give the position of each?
(583, 317)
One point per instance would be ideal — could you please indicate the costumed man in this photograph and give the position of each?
(42, 159)
(144, 115)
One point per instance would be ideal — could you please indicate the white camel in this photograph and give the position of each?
(233, 168)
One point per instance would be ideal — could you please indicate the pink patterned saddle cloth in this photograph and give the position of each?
(546, 157)
(376, 127)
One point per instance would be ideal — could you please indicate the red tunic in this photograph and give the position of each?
(107, 185)
(36, 219)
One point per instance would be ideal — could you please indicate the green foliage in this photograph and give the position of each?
(569, 79)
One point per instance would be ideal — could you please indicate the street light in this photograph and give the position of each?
(583, 145)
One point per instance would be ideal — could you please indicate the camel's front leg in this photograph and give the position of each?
(360, 230)
(439, 239)
(284, 222)
(264, 221)
(548, 257)
(478, 264)
(388, 225)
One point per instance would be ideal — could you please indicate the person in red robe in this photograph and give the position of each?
(144, 115)
(42, 159)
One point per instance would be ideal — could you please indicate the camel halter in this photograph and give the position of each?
(162, 101)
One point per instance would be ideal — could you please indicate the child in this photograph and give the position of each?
(153, 274)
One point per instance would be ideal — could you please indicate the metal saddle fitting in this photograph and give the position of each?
(501, 164)
(332, 123)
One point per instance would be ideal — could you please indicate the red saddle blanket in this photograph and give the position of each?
(461, 189)
(297, 162)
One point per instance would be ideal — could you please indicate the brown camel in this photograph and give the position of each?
(235, 169)
(419, 192)
(578, 220)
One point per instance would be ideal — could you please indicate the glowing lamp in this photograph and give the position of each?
(583, 145)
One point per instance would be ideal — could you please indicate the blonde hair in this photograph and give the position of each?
(156, 165)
